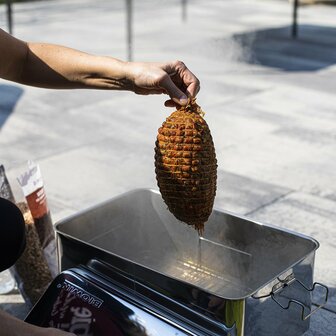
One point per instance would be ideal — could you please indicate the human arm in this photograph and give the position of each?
(53, 66)
(11, 326)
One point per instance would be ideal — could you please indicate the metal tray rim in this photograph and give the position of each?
(249, 294)
(275, 227)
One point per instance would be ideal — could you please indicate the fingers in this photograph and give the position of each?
(172, 78)
(190, 80)
(193, 88)
(173, 91)
(144, 91)
(170, 103)
(183, 78)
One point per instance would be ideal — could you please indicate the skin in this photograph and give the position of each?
(11, 326)
(57, 67)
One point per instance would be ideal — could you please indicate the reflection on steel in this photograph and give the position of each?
(295, 24)
(184, 10)
(217, 276)
(129, 40)
(81, 301)
(9, 16)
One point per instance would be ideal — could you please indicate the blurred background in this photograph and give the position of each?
(267, 87)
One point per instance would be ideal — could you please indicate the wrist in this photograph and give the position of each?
(129, 74)
(120, 73)
(104, 72)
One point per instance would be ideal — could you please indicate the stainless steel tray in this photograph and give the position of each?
(250, 277)
(234, 259)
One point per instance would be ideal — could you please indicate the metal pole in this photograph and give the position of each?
(184, 10)
(129, 7)
(9, 16)
(295, 23)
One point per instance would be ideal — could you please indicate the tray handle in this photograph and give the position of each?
(303, 307)
(287, 282)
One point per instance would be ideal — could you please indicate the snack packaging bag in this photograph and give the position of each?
(33, 189)
(31, 271)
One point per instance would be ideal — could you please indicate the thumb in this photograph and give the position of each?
(173, 91)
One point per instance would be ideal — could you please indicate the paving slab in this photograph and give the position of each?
(315, 217)
(269, 101)
(322, 324)
(252, 194)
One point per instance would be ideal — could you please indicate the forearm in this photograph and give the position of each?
(53, 66)
(11, 326)
(58, 67)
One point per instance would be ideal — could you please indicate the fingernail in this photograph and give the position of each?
(183, 100)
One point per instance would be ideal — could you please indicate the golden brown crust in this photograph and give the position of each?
(186, 165)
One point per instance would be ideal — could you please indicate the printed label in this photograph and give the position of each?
(79, 292)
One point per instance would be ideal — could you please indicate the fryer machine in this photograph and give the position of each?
(130, 268)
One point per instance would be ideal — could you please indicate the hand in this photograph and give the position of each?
(172, 78)
(12, 326)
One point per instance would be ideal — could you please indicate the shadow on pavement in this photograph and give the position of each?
(319, 296)
(314, 49)
(9, 96)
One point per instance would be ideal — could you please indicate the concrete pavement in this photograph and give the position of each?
(269, 100)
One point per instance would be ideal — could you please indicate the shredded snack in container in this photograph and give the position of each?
(31, 269)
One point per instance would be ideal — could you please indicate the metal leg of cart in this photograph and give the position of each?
(9, 16)
(184, 10)
(295, 14)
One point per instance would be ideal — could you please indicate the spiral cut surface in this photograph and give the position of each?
(186, 165)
